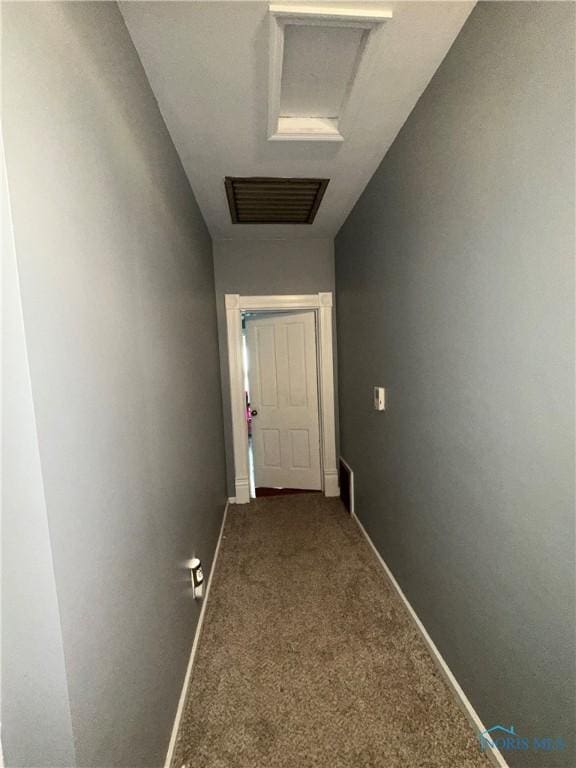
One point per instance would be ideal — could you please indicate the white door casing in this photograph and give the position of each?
(321, 304)
(283, 378)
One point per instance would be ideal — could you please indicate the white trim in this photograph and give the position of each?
(321, 303)
(314, 128)
(326, 381)
(275, 74)
(188, 675)
(307, 129)
(349, 468)
(296, 301)
(494, 755)
(333, 13)
(239, 426)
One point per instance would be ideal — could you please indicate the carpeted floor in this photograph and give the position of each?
(308, 658)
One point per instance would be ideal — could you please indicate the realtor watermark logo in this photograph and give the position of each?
(507, 740)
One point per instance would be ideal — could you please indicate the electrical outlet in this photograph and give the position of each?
(197, 578)
(379, 399)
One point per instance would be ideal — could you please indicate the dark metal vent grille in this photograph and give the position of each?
(274, 201)
(346, 486)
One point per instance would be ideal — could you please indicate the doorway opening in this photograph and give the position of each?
(280, 359)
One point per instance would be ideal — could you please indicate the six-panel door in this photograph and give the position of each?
(283, 380)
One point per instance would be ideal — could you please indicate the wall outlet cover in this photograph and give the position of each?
(379, 399)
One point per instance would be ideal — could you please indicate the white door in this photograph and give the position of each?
(283, 380)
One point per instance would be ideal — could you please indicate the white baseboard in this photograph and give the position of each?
(242, 487)
(182, 700)
(331, 483)
(494, 755)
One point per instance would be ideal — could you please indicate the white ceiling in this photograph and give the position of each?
(207, 63)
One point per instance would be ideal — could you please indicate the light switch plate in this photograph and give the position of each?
(379, 399)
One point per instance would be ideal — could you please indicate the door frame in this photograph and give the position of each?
(321, 305)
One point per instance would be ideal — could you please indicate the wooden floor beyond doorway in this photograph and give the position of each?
(260, 492)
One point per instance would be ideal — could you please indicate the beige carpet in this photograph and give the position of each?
(308, 658)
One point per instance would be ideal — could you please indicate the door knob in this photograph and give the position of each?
(254, 412)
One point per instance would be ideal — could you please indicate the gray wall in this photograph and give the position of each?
(455, 282)
(113, 446)
(33, 671)
(265, 267)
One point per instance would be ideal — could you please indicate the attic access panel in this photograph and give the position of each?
(272, 200)
(317, 65)
(318, 69)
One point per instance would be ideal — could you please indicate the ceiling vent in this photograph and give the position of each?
(274, 201)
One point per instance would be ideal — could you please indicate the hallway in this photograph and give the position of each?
(340, 233)
(307, 657)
